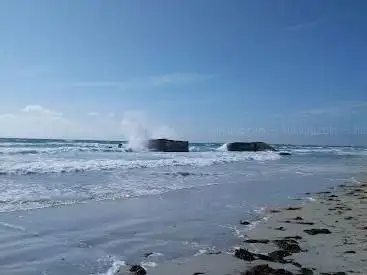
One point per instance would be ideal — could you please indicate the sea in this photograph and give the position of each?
(88, 206)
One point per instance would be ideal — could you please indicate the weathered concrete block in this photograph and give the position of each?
(249, 146)
(167, 145)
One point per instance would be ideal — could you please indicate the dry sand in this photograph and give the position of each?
(324, 235)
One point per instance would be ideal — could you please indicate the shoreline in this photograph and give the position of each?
(326, 234)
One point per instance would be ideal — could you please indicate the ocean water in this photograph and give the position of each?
(83, 207)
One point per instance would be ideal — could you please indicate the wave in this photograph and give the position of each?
(46, 166)
(223, 148)
(59, 149)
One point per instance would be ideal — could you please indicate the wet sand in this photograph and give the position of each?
(325, 234)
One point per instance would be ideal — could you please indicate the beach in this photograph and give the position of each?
(326, 233)
(89, 207)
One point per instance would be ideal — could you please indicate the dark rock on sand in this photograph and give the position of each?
(264, 258)
(289, 245)
(350, 252)
(264, 241)
(137, 270)
(244, 254)
(243, 222)
(273, 211)
(280, 228)
(305, 223)
(293, 208)
(316, 231)
(334, 273)
(278, 255)
(214, 253)
(306, 271)
(293, 237)
(249, 146)
(266, 270)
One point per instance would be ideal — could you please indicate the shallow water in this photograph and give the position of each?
(80, 206)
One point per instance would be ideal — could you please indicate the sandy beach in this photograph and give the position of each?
(326, 233)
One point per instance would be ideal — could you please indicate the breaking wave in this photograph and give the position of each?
(57, 165)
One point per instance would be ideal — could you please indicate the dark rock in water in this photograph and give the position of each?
(243, 222)
(249, 146)
(167, 145)
(146, 255)
(316, 231)
(138, 270)
(284, 154)
(265, 241)
(244, 254)
(120, 145)
(298, 218)
(198, 273)
(266, 270)
(289, 245)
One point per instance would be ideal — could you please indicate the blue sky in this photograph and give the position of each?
(281, 71)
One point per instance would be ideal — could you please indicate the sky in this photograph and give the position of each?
(281, 71)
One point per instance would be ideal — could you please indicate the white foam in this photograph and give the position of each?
(137, 129)
(13, 226)
(43, 166)
(223, 148)
(156, 254)
(115, 268)
(310, 199)
(148, 264)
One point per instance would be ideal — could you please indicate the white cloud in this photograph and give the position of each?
(7, 116)
(340, 108)
(93, 114)
(146, 82)
(35, 121)
(38, 109)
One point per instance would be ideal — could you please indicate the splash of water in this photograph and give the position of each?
(137, 130)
